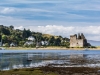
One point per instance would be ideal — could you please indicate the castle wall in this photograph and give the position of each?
(80, 43)
(73, 40)
(77, 42)
(73, 44)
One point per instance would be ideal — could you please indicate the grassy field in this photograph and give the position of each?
(53, 71)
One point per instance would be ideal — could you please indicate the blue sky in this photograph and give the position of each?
(58, 17)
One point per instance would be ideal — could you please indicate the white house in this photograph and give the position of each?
(31, 38)
(12, 44)
(30, 41)
(44, 43)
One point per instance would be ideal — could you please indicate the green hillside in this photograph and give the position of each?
(19, 37)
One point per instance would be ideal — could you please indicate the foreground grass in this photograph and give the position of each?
(35, 71)
(53, 71)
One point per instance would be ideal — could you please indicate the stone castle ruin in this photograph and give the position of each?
(78, 40)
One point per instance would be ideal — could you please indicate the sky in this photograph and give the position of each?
(56, 17)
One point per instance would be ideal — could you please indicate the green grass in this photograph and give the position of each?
(51, 71)
(26, 72)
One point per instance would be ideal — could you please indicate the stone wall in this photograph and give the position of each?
(79, 41)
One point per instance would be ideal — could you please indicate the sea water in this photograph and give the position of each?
(11, 59)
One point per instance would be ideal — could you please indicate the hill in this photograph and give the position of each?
(94, 43)
(17, 37)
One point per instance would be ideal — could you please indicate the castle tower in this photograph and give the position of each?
(82, 36)
(79, 36)
(73, 39)
(79, 41)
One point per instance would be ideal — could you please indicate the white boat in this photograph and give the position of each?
(86, 49)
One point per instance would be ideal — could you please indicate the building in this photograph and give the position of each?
(44, 43)
(13, 44)
(78, 41)
(30, 40)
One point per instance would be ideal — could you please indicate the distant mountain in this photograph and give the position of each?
(94, 43)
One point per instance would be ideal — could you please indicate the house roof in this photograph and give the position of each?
(31, 38)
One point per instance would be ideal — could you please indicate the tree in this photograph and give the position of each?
(57, 42)
(21, 43)
(52, 41)
(11, 27)
(28, 32)
(4, 38)
(4, 31)
(24, 33)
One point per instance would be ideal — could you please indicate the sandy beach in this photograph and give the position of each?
(50, 48)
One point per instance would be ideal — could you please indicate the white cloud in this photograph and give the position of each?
(64, 29)
(5, 10)
(91, 32)
(59, 11)
(19, 27)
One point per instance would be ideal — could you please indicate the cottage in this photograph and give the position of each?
(30, 41)
(12, 44)
(31, 38)
(44, 43)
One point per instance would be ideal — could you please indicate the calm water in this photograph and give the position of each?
(10, 59)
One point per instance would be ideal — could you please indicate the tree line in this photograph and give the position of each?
(9, 34)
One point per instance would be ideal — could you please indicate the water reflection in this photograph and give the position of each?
(34, 59)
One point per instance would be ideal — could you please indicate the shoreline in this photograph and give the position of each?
(49, 48)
